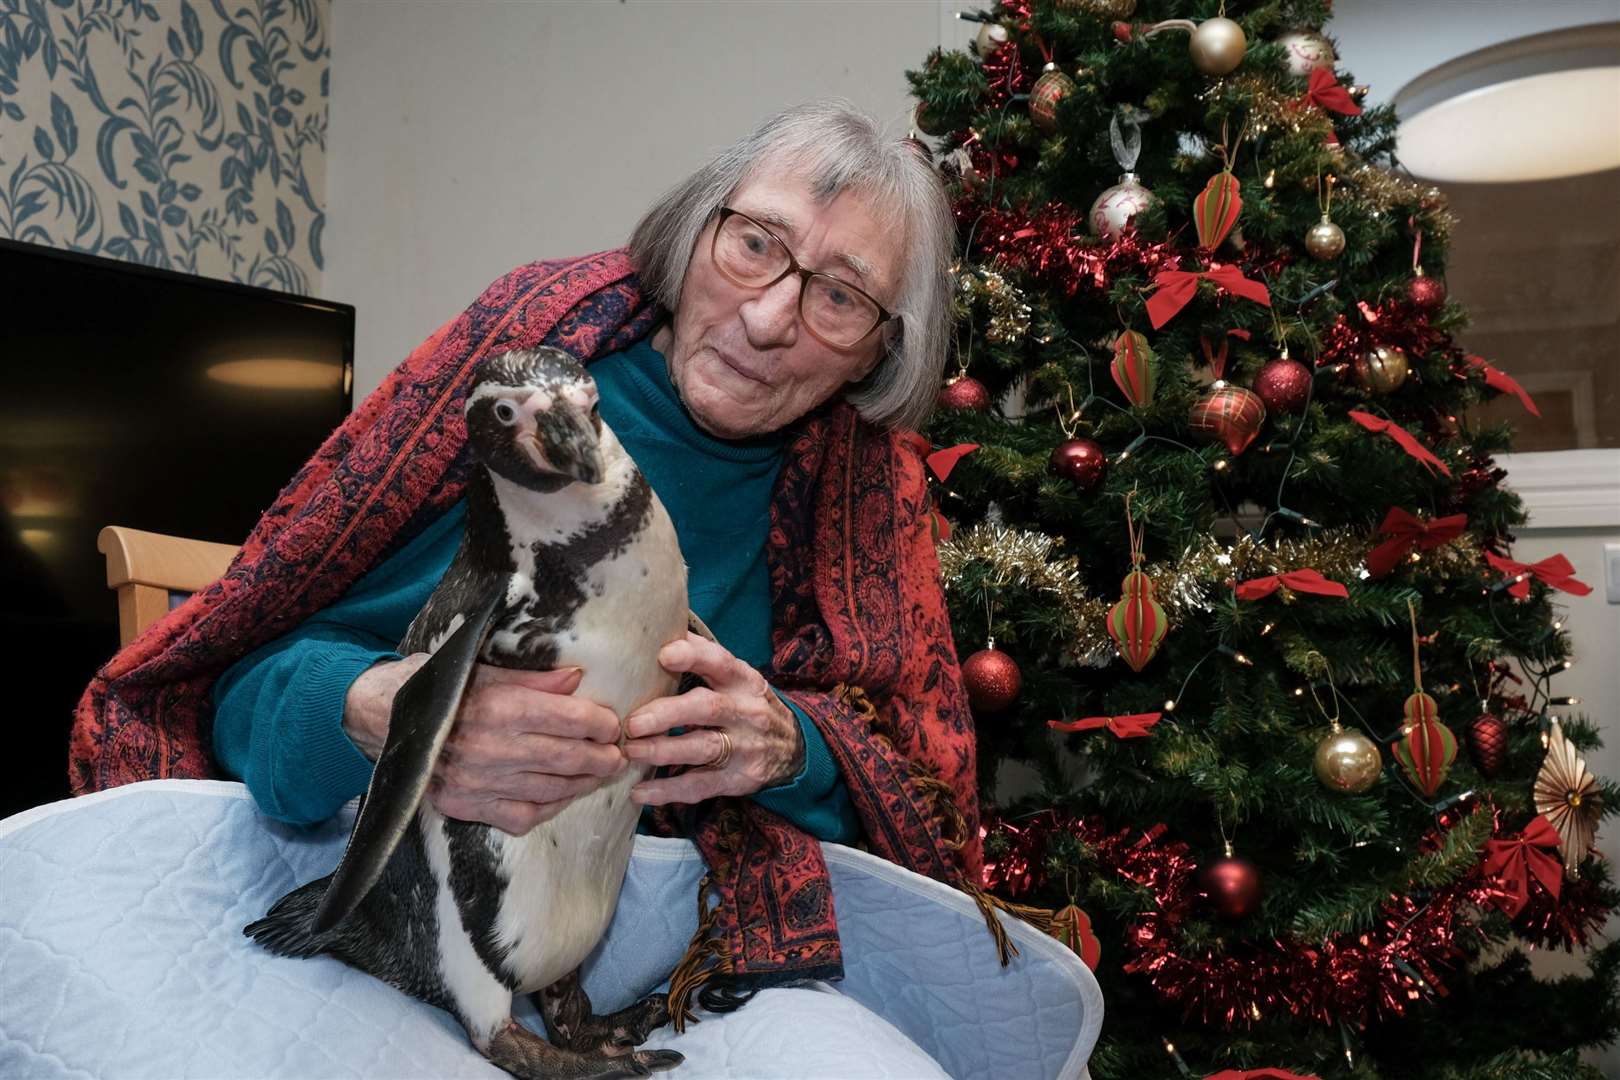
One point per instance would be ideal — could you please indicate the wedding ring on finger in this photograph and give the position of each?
(720, 759)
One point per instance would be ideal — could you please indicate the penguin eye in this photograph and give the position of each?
(506, 412)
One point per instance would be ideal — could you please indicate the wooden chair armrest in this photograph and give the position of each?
(167, 562)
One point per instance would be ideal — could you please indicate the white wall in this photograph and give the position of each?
(1388, 43)
(471, 137)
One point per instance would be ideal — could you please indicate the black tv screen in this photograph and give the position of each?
(139, 397)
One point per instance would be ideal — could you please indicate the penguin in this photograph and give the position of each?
(569, 559)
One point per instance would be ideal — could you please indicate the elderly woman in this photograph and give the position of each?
(777, 322)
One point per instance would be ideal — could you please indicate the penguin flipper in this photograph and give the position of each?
(423, 713)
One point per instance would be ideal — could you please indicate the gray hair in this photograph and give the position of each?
(835, 147)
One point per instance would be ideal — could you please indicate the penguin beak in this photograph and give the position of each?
(566, 436)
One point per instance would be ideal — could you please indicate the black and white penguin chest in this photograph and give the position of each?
(592, 582)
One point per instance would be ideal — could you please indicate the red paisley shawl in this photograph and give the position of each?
(860, 633)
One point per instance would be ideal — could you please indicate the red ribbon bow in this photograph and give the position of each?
(1515, 860)
(1404, 531)
(1178, 287)
(941, 462)
(1305, 581)
(1402, 439)
(1124, 727)
(1326, 93)
(1256, 1074)
(1555, 572)
(1498, 379)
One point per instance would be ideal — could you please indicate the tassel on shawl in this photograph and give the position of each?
(952, 825)
(708, 955)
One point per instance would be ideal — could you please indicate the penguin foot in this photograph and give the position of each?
(566, 1009)
(527, 1056)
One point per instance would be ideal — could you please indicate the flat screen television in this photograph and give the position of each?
(140, 397)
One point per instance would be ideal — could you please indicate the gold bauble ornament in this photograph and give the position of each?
(1348, 761)
(1217, 46)
(1325, 241)
(1381, 369)
(1103, 9)
(991, 37)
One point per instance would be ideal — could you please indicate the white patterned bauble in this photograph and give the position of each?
(1116, 206)
(1305, 51)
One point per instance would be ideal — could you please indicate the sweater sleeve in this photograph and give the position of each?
(816, 800)
(278, 720)
(278, 712)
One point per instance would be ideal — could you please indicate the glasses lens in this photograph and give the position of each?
(836, 311)
(747, 253)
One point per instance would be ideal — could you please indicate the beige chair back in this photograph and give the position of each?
(152, 572)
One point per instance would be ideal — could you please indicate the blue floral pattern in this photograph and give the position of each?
(180, 134)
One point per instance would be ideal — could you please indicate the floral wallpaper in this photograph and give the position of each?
(187, 134)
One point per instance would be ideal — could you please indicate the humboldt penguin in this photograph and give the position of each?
(568, 560)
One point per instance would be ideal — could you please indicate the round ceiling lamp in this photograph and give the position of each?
(1535, 108)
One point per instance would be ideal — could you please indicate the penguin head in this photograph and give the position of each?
(532, 417)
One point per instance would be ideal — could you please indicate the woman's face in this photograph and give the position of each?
(740, 358)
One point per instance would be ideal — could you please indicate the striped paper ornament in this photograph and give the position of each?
(1216, 209)
(1133, 368)
(1426, 747)
(1137, 623)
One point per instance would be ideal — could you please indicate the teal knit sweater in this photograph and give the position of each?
(278, 719)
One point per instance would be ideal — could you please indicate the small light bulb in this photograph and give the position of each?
(1299, 691)
(1568, 664)
(1268, 628)
(1558, 624)
(1169, 706)
(1271, 179)
(1220, 465)
(1244, 660)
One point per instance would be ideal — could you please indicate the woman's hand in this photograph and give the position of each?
(521, 749)
(739, 736)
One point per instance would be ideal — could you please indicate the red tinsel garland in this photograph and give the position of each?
(1004, 70)
(1350, 977)
(1050, 244)
(1393, 323)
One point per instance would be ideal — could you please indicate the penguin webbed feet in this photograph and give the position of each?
(566, 1010)
(527, 1056)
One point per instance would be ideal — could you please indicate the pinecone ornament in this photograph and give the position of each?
(1488, 743)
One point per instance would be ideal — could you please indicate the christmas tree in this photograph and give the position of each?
(1231, 566)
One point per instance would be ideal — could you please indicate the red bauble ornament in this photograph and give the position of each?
(964, 392)
(1080, 461)
(1426, 292)
(1487, 744)
(992, 679)
(1229, 414)
(1284, 385)
(1231, 887)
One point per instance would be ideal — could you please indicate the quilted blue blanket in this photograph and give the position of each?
(121, 954)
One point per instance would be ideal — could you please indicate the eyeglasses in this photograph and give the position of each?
(836, 313)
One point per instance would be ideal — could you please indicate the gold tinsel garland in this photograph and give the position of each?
(1030, 560)
(1008, 309)
(1378, 189)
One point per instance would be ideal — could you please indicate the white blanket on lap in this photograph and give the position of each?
(121, 955)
